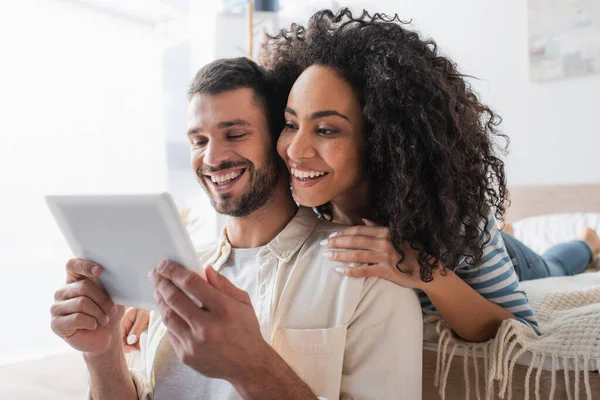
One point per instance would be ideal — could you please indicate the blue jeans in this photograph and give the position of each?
(564, 259)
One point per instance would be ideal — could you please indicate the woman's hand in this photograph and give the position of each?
(367, 251)
(134, 322)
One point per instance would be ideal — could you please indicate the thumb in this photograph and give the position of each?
(223, 284)
(134, 322)
(142, 320)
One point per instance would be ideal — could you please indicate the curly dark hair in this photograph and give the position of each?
(431, 152)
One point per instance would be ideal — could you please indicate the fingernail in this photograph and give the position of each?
(334, 234)
(324, 242)
(114, 310)
(95, 270)
(105, 320)
(131, 339)
(351, 265)
(328, 254)
(340, 270)
(162, 265)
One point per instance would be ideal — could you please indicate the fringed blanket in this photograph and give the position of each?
(568, 312)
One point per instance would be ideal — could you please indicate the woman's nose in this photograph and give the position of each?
(301, 146)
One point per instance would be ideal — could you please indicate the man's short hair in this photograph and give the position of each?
(236, 73)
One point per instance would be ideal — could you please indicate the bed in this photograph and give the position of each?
(462, 380)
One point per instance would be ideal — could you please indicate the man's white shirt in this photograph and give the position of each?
(347, 338)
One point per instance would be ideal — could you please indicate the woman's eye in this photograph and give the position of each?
(289, 126)
(325, 131)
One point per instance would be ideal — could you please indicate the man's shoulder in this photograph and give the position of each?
(326, 228)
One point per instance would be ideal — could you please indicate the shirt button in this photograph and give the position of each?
(161, 331)
(285, 254)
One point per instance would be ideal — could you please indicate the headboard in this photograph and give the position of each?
(527, 201)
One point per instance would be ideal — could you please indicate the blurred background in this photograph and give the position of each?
(93, 100)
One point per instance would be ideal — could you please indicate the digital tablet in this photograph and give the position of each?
(127, 235)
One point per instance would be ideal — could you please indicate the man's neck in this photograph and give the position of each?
(352, 206)
(260, 227)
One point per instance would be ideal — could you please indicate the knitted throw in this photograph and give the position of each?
(568, 312)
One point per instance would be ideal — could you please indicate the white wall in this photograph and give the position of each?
(552, 125)
(81, 111)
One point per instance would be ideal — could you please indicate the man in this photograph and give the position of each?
(291, 327)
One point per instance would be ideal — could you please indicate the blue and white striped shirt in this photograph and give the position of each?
(494, 277)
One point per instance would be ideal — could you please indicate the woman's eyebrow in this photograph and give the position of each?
(328, 113)
(319, 114)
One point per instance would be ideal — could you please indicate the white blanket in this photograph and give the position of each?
(568, 311)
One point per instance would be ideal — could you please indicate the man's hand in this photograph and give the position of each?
(221, 339)
(83, 314)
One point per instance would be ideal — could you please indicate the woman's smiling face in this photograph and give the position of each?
(322, 141)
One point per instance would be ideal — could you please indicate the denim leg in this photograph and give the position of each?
(572, 256)
(527, 263)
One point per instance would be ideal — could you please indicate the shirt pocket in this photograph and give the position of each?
(316, 355)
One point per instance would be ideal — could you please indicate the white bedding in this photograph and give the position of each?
(543, 231)
(540, 233)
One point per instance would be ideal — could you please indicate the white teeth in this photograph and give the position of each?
(224, 179)
(305, 175)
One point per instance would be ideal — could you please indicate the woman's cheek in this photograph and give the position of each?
(282, 145)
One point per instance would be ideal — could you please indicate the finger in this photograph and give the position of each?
(78, 268)
(363, 230)
(365, 271)
(67, 325)
(356, 242)
(142, 320)
(127, 321)
(192, 283)
(177, 300)
(172, 320)
(83, 305)
(356, 256)
(368, 222)
(87, 288)
(225, 285)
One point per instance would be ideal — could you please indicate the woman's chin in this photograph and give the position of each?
(307, 199)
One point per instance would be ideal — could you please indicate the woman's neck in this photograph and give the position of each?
(354, 205)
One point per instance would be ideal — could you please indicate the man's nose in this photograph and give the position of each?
(215, 154)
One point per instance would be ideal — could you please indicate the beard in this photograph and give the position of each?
(261, 183)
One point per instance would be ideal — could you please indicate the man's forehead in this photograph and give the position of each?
(209, 109)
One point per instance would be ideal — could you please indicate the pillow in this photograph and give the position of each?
(543, 231)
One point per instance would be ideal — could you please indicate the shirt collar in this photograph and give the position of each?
(284, 246)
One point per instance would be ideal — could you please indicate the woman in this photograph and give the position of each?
(380, 126)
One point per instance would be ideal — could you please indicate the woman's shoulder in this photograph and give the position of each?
(494, 254)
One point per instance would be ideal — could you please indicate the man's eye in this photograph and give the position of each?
(239, 136)
(197, 143)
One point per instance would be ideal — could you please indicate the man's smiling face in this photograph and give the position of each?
(232, 152)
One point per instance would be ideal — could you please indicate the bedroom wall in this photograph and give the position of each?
(81, 104)
(552, 125)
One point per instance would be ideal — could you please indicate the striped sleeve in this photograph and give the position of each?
(494, 277)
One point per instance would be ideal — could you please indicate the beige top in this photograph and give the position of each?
(345, 337)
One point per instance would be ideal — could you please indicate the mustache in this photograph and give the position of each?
(205, 170)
